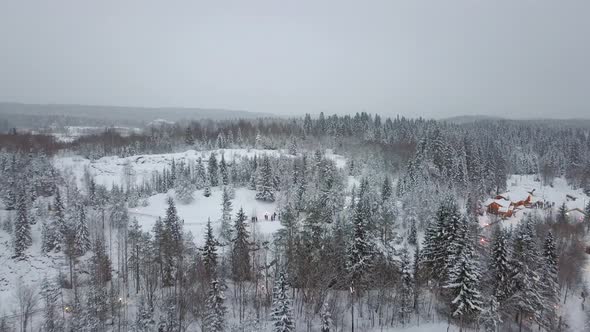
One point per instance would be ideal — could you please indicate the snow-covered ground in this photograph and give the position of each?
(196, 214)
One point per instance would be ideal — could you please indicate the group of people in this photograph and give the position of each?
(272, 217)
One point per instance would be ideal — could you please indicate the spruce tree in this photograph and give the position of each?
(406, 283)
(386, 189)
(326, 318)
(281, 306)
(22, 227)
(550, 282)
(213, 170)
(500, 268)
(214, 320)
(209, 252)
(360, 251)
(188, 137)
(562, 215)
(463, 279)
(413, 236)
(240, 258)
(81, 233)
(266, 191)
(200, 175)
(525, 280)
(226, 209)
(223, 171)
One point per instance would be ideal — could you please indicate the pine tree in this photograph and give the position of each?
(413, 236)
(240, 259)
(81, 233)
(526, 281)
(185, 189)
(266, 191)
(213, 170)
(223, 171)
(550, 282)
(281, 306)
(226, 209)
(171, 242)
(562, 214)
(440, 240)
(463, 280)
(491, 317)
(22, 227)
(500, 268)
(361, 250)
(144, 319)
(386, 189)
(209, 252)
(60, 219)
(188, 137)
(200, 175)
(326, 318)
(406, 283)
(49, 294)
(216, 310)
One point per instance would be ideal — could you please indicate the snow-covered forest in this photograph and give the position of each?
(319, 223)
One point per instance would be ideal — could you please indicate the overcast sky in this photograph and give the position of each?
(523, 58)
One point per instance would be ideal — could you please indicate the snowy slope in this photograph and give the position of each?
(196, 214)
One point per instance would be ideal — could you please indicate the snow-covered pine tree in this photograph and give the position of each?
(416, 273)
(463, 279)
(214, 320)
(526, 281)
(47, 237)
(144, 319)
(200, 174)
(226, 209)
(562, 215)
(240, 257)
(60, 220)
(223, 171)
(587, 216)
(439, 240)
(500, 268)
(360, 252)
(386, 189)
(213, 170)
(281, 306)
(188, 137)
(81, 233)
(550, 283)
(52, 322)
(185, 189)
(405, 290)
(293, 146)
(491, 317)
(413, 235)
(326, 318)
(22, 227)
(209, 252)
(266, 187)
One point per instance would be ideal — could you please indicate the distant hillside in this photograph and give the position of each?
(36, 115)
(462, 119)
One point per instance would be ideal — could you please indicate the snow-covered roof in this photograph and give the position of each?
(500, 202)
(516, 195)
(505, 209)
